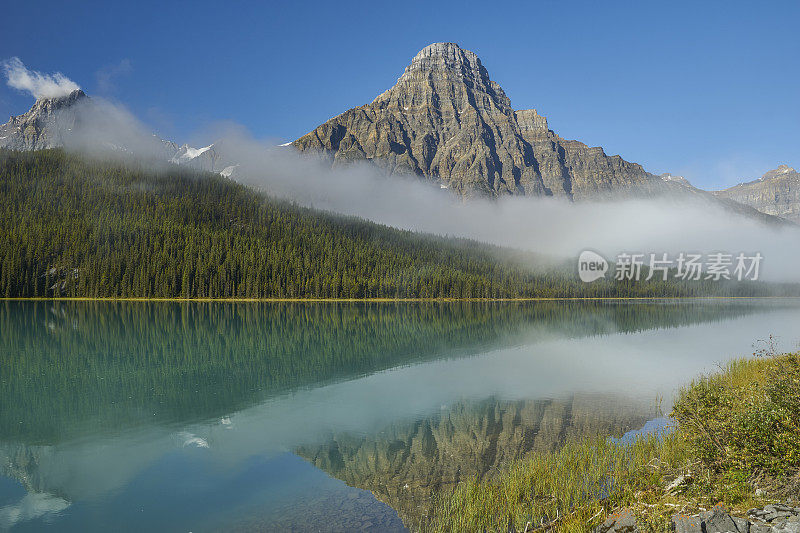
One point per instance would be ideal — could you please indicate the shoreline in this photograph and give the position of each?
(705, 474)
(382, 300)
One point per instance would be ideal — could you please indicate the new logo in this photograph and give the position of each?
(591, 266)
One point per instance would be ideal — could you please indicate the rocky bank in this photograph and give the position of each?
(774, 518)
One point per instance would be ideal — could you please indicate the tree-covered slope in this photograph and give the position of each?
(77, 227)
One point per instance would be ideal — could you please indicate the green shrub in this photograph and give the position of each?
(745, 422)
(735, 428)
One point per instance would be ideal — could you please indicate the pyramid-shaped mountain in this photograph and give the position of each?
(446, 119)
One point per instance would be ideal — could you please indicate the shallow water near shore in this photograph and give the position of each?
(212, 416)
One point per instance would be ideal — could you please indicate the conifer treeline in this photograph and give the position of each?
(113, 365)
(76, 227)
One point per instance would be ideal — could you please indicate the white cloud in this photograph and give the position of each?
(32, 506)
(38, 84)
(550, 227)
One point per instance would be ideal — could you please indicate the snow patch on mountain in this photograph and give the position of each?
(227, 172)
(187, 153)
(675, 179)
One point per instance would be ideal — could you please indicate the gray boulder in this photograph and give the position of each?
(620, 522)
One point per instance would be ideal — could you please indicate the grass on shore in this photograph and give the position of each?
(737, 442)
(379, 300)
(566, 489)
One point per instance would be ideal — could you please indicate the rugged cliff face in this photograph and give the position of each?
(406, 465)
(445, 119)
(45, 125)
(777, 193)
(77, 121)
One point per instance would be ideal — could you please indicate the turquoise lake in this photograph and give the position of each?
(132, 416)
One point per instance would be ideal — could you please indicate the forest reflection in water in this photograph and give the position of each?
(399, 399)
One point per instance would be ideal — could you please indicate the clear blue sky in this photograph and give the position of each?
(710, 90)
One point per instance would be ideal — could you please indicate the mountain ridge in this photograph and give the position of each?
(44, 126)
(776, 193)
(446, 119)
(59, 121)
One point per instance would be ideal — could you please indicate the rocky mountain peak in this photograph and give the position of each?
(780, 171)
(45, 125)
(450, 51)
(448, 57)
(445, 71)
(777, 193)
(445, 119)
(58, 102)
(70, 120)
(47, 106)
(675, 179)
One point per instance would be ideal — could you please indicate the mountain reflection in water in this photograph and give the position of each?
(105, 403)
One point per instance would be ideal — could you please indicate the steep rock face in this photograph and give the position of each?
(70, 120)
(776, 193)
(46, 125)
(447, 120)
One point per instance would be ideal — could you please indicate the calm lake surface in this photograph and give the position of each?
(324, 417)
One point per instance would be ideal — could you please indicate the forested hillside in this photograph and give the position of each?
(76, 227)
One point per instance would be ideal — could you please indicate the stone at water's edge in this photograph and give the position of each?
(771, 519)
(623, 521)
(718, 520)
(775, 518)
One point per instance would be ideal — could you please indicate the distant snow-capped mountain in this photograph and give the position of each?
(75, 120)
(187, 153)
